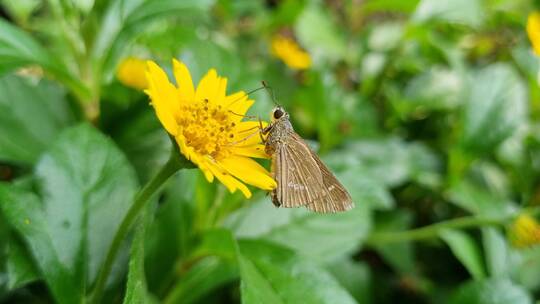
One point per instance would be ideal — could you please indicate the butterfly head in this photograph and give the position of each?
(279, 113)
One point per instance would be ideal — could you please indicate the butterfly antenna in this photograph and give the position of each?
(270, 92)
(246, 94)
(242, 97)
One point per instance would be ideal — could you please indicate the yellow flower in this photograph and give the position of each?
(290, 52)
(207, 125)
(131, 73)
(525, 231)
(533, 30)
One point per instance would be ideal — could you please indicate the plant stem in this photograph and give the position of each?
(173, 164)
(214, 208)
(91, 110)
(432, 231)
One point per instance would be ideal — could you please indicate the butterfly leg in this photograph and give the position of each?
(275, 200)
(265, 130)
(244, 139)
(262, 131)
(244, 116)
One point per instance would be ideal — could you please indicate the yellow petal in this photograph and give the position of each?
(183, 81)
(187, 151)
(238, 103)
(249, 171)
(203, 165)
(207, 87)
(250, 151)
(221, 90)
(249, 133)
(251, 125)
(236, 97)
(163, 95)
(533, 30)
(192, 156)
(181, 141)
(226, 179)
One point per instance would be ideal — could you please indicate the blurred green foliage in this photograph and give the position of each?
(427, 111)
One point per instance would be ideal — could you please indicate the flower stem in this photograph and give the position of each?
(173, 164)
(432, 231)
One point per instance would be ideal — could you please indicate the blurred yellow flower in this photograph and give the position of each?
(290, 52)
(525, 231)
(533, 30)
(131, 73)
(207, 125)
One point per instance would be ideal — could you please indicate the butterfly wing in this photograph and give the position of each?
(334, 197)
(296, 172)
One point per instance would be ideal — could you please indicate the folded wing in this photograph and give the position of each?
(303, 179)
(296, 173)
(334, 198)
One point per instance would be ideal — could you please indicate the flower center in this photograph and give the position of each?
(207, 128)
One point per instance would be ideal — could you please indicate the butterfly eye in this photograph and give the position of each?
(278, 113)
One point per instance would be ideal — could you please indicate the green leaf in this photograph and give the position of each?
(435, 89)
(525, 267)
(124, 20)
(492, 291)
(272, 274)
(24, 212)
(385, 37)
(287, 12)
(327, 41)
(255, 287)
(87, 187)
(171, 236)
(467, 12)
(355, 277)
(385, 160)
(31, 116)
(202, 278)
(465, 249)
(373, 64)
(19, 49)
(399, 255)
(365, 190)
(320, 236)
(361, 168)
(4, 236)
(136, 288)
(145, 143)
(84, 6)
(20, 267)
(202, 55)
(322, 101)
(497, 105)
(526, 60)
(389, 5)
(496, 252)
(20, 9)
(477, 199)
(425, 165)
(215, 263)
(218, 242)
